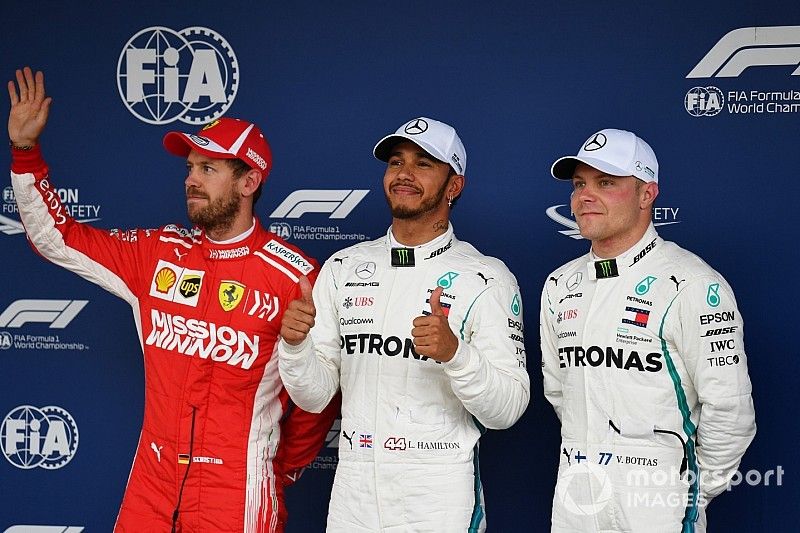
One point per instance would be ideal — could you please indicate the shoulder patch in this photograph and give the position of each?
(289, 256)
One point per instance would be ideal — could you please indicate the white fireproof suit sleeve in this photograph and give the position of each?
(310, 370)
(551, 370)
(487, 374)
(727, 417)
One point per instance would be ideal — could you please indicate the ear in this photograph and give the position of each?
(250, 182)
(455, 186)
(648, 195)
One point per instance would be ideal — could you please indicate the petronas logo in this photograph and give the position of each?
(643, 287)
(446, 281)
(515, 305)
(713, 295)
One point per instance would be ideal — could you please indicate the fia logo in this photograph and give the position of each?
(31, 437)
(190, 75)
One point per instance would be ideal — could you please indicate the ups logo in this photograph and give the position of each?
(190, 285)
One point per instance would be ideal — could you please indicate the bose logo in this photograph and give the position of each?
(57, 313)
(750, 47)
(337, 202)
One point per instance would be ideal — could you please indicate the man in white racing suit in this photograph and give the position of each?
(643, 358)
(424, 335)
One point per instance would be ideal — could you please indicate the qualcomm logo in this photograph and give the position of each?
(46, 437)
(57, 313)
(337, 202)
(662, 216)
(750, 47)
(190, 75)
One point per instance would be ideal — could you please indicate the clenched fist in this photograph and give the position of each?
(432, 334)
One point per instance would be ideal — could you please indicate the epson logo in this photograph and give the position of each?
(515, 324)
(595, 356)
(374, 343)
(724, 316)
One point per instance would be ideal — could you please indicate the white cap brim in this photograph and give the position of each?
(383, 150)
(564, 167)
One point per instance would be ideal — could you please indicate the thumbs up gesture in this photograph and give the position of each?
(432, 334)
(298, 318)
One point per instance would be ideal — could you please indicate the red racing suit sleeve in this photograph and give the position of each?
(303, 434)
(110, 259)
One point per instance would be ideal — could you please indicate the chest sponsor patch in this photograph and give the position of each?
(176, 284)
(230, 294)
(289, 256)
(636, 316)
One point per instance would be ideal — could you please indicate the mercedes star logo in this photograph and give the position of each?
(595, 143)
(416, 126)
(365, 270)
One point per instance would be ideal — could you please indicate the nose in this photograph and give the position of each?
(191, 178)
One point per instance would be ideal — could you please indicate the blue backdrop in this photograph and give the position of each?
(523, 82)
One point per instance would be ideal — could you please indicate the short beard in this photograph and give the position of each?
(404, 213)
(219, 215)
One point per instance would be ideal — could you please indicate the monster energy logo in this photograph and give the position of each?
(606, 268)
(402, 257)
(713, 295)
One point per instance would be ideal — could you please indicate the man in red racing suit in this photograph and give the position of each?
(220, 438)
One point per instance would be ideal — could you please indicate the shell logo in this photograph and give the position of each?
(165, 279)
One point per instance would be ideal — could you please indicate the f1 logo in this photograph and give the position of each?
(337, 202)
(57, 313)
(750, 47)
